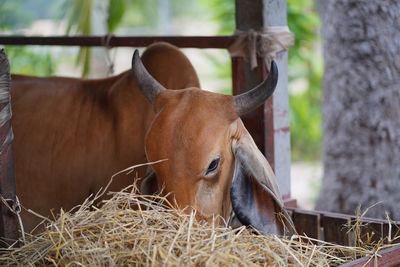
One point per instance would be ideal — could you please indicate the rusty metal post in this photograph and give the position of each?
(8, 219)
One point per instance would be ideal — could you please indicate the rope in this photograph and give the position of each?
(15, 208)
(266, 43)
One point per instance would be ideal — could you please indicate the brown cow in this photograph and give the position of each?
(71, 135)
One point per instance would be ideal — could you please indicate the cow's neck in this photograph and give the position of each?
(132, 115)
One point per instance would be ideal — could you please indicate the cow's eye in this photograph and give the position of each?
(213, 166)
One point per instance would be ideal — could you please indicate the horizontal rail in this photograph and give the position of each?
(389, 257)
(337, 227)
(341, 215)
(121, 41)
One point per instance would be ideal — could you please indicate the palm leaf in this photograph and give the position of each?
(79, 18)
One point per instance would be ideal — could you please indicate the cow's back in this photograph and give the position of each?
(71, 135)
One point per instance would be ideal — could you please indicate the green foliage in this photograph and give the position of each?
(79, 16)
(305, 70)
(142, 16)
(116, 11)
(24, 60)
(12, 16)
(305, 118)
(191, 9)
(303, 21)
(222, 72)
(140, 13)
(222, 11)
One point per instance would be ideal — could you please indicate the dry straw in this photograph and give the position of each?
(134, 230)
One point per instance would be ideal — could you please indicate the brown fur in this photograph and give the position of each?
(196, 127)
(71, 135)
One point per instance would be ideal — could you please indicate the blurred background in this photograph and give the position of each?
(176, 17)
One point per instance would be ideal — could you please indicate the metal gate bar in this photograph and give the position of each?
(121, 41)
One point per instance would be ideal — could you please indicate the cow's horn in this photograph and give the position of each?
(149, 86)
(252, 99)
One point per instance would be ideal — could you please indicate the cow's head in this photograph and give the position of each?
(213, 164)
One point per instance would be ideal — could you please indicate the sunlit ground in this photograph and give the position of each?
(306, 178)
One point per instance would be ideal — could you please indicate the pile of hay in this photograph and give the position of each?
(154, 234)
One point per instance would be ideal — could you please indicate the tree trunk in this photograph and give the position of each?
(361, 107)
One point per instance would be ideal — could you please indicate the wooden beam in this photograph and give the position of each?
(336, 228)
(307, 222)
(387, 258)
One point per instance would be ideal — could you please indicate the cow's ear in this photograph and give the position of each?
(149, 184)
(255, 196)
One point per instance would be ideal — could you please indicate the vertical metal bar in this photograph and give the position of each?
(8, 219)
